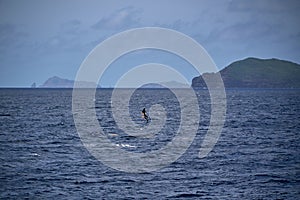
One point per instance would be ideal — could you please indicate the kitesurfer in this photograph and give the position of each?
(144, 115)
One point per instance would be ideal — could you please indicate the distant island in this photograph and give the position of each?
(170, 84)
(256, 73)
(247, 73)
(33, 85)
(57, 82)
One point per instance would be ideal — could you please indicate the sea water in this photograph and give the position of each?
(256, 157)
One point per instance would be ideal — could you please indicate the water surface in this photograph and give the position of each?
(256, 157)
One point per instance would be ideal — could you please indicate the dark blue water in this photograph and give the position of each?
(256, 157)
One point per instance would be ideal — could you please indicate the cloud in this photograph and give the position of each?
(70, 36)
(71, 27)
(266, 6)
(10, 35)
(122, 18)
(242, 32)
(255, 21)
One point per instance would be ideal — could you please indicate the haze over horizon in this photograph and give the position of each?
(41, 39)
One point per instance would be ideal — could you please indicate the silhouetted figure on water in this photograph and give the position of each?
(145, 116)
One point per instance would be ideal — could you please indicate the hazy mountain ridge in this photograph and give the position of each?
(57, 82)
(256, 73)
(170, 84)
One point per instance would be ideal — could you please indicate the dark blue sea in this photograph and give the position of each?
(256, 157)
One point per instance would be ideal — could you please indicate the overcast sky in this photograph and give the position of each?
(43, 38)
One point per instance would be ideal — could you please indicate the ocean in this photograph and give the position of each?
(256, 157)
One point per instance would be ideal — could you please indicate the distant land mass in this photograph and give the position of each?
(170, 84)
(57, 82)
(247, 73)
(256, 73)
(33, 85)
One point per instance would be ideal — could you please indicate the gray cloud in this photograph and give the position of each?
(10, 35)
(243, 32)
(120, 19)
(71, 27)
(266, 6)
